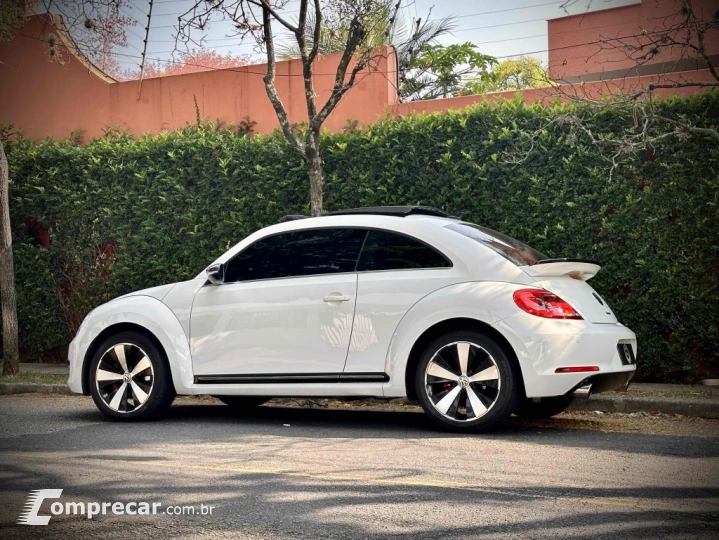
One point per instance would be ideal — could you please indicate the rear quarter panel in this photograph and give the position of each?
(484, 301)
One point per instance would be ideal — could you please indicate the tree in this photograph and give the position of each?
(255, 18)
(11, 352)
(685, 35)
(511, 74)
(439, 71)
(12, 16)
(96, 27)
(426, 68)
(333, 33)
(193, 61)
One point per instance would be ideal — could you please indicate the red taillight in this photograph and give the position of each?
(577, 369)
(543, 303)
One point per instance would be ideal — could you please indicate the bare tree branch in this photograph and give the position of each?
(269, 79)
(340, 88)
(681, 37)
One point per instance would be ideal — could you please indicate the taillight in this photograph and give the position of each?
(543, 303)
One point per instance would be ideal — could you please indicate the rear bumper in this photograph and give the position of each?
(543, 345)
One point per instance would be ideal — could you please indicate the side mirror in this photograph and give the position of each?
(216, 273)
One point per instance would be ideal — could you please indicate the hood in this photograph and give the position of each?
(158, 292)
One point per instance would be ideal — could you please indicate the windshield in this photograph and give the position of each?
(509, 248)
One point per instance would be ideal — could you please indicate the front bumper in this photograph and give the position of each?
(543, 345)
(74, 381)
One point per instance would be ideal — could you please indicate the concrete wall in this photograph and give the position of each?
(44, 97)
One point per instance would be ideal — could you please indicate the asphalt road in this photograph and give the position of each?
(298, 473)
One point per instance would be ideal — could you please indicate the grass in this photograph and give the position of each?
(32, 377)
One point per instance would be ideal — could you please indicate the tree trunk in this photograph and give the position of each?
(11, 354)
(314, 170)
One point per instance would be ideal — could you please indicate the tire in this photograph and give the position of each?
(130, 379)
(546, 408)
(451, 389)
(243, 402)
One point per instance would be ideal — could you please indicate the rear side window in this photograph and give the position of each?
(509, 248)
(300, 253)
(388, 251)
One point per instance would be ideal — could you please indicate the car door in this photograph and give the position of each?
(285, 307)
(395, 271)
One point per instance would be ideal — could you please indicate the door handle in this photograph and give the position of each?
(335, 297)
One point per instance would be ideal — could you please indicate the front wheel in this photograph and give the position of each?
(130, 378)
(465, 382)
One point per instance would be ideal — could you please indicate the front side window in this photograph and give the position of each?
(298, 253)
(389, 251)
(509, 248)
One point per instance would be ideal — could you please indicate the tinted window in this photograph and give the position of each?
(300, 253)
(387, 251)
(509, 248)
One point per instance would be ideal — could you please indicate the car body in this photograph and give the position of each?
(377, 286)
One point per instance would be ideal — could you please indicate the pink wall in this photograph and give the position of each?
(45, 98)
(592, 90)
(575, 48)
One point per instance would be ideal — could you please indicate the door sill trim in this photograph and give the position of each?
(295, 378)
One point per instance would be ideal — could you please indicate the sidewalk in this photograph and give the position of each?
(685, 399)
(46, 369)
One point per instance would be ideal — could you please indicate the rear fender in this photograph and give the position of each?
(486, 301)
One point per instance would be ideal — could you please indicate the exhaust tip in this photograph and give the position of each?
(583, 392)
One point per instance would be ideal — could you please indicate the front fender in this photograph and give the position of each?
(484, 301)
(147, 312)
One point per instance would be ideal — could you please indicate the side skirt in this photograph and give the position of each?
(298, 378)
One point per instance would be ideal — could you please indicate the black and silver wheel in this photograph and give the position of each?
(465, 382)
(243, 402)
(543, 408)
(129, 378)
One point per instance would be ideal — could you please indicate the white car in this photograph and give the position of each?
(384, 302)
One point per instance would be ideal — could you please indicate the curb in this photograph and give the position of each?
(33, 388)
(700, 408)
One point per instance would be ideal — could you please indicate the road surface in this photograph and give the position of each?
(282, 472)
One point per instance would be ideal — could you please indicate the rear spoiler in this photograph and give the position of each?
(577, 268)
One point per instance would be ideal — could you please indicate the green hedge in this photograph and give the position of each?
(126, 214)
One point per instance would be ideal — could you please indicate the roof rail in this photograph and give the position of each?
(293, 217)
(399, 211)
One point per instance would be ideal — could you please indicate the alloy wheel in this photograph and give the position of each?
(124, 377)
(462, 381)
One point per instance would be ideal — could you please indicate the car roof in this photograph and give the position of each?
(415, 222)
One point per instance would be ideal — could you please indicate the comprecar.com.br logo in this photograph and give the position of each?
(30, 514)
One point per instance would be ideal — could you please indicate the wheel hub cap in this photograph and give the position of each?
(124, 377)
(462, 381)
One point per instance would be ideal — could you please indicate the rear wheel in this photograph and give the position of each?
(243, 402)
(545, 408)
(130, 378)
(465, 382)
